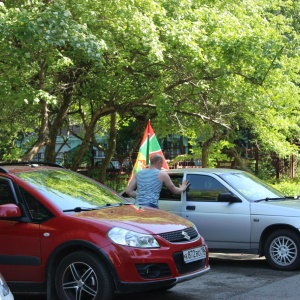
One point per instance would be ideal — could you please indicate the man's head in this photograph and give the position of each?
(156, 160)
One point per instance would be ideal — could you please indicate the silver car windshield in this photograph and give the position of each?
(68, 190)
(251, 187)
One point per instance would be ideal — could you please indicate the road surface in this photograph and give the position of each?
(234, 277)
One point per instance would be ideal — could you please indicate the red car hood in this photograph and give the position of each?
(148, 220)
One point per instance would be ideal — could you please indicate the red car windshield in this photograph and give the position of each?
(67, 189)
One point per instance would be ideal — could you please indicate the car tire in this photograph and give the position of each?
(282, 250)
(81, 275)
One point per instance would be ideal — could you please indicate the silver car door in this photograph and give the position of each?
(223, 225)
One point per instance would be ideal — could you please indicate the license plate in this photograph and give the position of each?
(194, 254)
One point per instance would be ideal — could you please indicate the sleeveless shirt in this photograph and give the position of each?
(148, 187)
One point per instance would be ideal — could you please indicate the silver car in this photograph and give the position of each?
(237, 213)
(5, 293)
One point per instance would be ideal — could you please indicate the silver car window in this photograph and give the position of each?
(204, 188)
(166, 194)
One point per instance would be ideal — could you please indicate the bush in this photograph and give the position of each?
(289, 187)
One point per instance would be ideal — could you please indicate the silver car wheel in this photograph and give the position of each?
(83, 276)
(80, 281)
(283, 251)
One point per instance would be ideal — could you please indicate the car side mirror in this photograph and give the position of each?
(228, 197)
(10, 210)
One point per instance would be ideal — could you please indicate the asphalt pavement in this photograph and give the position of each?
(287, 289)
(232, 277)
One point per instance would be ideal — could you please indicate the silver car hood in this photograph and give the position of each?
(287, 208)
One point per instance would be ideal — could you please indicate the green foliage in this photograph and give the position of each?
(13, 155)
(216, 150)
(266, 170)
(201, 69)
(289, 187)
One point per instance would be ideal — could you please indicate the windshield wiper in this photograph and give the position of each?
(277, 198)
(113, 204)
(78, 209)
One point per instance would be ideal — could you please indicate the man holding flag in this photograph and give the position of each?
(146, 181)
(145, 186)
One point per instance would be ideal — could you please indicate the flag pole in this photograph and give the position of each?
(148, 144)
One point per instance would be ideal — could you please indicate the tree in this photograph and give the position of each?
(44, 52)
(195, 68)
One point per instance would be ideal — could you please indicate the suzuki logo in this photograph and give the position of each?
(185, 235)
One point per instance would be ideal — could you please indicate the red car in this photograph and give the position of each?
(70, 237)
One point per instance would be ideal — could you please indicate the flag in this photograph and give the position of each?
(149, 146)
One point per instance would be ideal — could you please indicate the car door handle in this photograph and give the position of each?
(191, 207)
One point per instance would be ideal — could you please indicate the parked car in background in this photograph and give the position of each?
(5, 293)
(70, 236)
(115, 166)
(236, 212)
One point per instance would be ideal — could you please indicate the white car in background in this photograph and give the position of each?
(5, 293)
(236, 212)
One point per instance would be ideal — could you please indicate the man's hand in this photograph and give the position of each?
(185, 184)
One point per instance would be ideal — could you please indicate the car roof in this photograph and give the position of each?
(25, 167)
(203, 170)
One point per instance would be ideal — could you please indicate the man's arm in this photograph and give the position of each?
(130, 189)
(165, 178)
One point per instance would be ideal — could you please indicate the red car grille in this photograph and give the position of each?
(180, 236)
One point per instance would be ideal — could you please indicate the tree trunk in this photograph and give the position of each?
(111, 148)
(205, 147)
(238, 161)
(205, 154)
(41, 140)
(50, 153)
